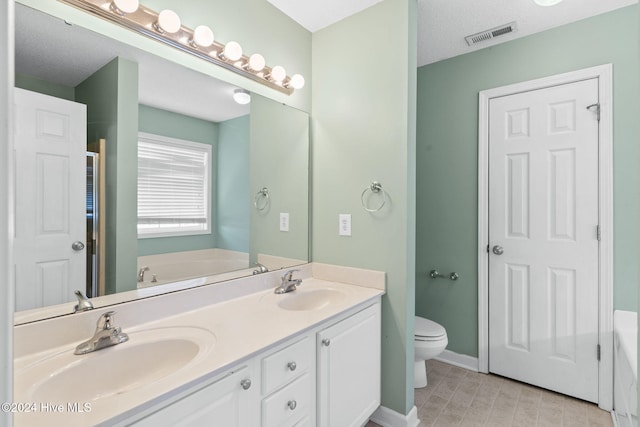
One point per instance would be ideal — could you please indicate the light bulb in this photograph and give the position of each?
(296, 82)
(168, 21)
(241, 96)
(232, 51)
(122, 7)
(278, 73)
(547, 2)
(202, 36)
(256, 62)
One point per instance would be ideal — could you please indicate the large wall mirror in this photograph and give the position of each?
(177, 184)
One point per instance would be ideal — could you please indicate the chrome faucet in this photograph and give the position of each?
(104, 336)
(141, 273)
(288, 284)
(83, 302)
(261, 269)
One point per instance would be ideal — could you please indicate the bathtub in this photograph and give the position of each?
(625, 368)
(178, 266)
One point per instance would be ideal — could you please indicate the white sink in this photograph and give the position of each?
(148, 356)
(309, 299)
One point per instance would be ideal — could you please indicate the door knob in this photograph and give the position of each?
(77, 245)
(498, 250)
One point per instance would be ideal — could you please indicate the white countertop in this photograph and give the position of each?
(240, 327)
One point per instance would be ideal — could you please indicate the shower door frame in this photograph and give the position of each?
(604, 74)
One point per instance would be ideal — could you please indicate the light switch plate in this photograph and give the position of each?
(284, 221)
(344, 224)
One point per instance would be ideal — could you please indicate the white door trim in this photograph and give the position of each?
(605, 183)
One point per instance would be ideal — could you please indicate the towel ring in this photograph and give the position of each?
(263, 193)
(375, 187)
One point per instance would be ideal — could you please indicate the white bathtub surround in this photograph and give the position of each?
(177, 266)
(278, 263)
(242, 314)
(625, 368)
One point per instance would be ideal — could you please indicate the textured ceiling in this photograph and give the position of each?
(443, 24)
(317, 14)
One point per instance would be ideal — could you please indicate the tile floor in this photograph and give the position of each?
(458, 397)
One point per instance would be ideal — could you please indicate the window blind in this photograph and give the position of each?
(173, 187)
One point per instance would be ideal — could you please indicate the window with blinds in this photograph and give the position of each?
(174, 187)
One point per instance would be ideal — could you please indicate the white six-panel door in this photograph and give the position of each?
(543, 218)
(50, 148)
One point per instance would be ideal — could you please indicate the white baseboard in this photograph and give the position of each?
(389, 418)
(459, 360)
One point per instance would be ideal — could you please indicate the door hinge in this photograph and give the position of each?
(597, 108)
(598, 352)
(598, 232)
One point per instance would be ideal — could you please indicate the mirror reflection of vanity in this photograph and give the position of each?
(258, 183)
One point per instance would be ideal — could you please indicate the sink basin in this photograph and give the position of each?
(148, 356)
(309, 299)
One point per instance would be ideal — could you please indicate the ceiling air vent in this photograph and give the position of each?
(491, 34)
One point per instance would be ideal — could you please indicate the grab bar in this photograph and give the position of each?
(451, 276)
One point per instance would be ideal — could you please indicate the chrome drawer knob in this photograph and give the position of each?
(292, 404)
(245, 384)
(326, 342)
(292, 366)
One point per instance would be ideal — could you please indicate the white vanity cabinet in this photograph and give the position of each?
(288, 384)
(328, 376)
(226, 402)
(349, 370)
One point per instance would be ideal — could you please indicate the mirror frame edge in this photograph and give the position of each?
(7, 291)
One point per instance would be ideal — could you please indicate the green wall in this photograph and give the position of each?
(47, 88)
(175, 125)
(111, 96)
(279, 160)
(448, 161)
(232, 214)
(362, 130)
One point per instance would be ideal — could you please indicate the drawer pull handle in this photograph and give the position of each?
(326, 342)
(292, 366)
(292, 404)
(245, 384)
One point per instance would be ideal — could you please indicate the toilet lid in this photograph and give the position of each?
(426, 328)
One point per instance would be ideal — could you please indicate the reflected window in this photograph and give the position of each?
(174, 187)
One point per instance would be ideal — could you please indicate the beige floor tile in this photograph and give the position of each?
(458, 397)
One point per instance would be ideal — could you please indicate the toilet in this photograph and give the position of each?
(430, 340)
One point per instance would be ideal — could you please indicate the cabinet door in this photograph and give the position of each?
(223, 403)
(349, 370)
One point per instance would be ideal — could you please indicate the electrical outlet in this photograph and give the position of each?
(284, 221)
(344, 224)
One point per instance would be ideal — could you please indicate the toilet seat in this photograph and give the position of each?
(428, 330)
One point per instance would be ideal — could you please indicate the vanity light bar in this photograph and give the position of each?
(166, 28)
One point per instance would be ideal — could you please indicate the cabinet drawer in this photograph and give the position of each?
(287, 407)
(281, 367)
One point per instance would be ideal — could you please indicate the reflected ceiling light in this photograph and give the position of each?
(278, 74)
(296, 82)
(166, 27)
(241, 96)
(202, 36)
(547, 2)
(232, 51)
(256, 63)
(168, 22)
(122, 7)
